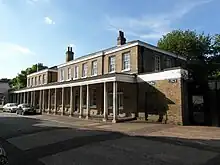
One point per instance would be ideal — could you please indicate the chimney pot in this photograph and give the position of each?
(69, 54)
(121, 40)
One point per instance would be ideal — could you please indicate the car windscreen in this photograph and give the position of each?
(13, 104)
(25, 106)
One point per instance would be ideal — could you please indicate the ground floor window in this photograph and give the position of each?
(120, 100)
(93, 98)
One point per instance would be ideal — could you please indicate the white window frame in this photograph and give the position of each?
(126, 61)
(111, 66)
(157, 63)
(94, 71)
(76, 72)
(69, 73)
(35, 81)
(39, 80)
(28, 83)
(32, 81)
(44, 79)
(84, 70)
(62, 75)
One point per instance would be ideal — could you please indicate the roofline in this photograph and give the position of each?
(42, 71)
(122, 47)
(152, 47)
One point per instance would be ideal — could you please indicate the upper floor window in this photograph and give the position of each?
(44, 79)
(111, 63)
(69, 74)
(126, 61)
(168, 63)
(94, 68)
(39, 80)
(28, 83)
(76, 72)
(61, 74)
(32, 81)
(35, 80)
(157, 63)
(84, 70)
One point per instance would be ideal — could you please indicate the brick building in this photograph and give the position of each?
(128, 81)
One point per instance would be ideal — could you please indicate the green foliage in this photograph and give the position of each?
(20, 81)
(202, 51)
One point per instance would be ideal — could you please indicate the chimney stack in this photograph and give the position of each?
(69, 54)
(121, 40)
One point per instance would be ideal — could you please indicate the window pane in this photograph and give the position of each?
(84, 70)
(35, 81)
(111, 63)
(94, 68)
(39, 80)
(126, 61)
(61, 74)
(69, 73)
(76, 72)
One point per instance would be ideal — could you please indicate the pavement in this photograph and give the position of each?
(62, 140)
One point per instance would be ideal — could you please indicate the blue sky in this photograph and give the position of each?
(34, 31)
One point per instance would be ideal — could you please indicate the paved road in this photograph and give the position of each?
(40, 140)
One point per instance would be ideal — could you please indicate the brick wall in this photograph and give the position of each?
(163, 98)
(146, 60)
(118, 59)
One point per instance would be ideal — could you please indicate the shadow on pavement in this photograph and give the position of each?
(12, 127)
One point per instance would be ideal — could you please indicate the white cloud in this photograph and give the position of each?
(14, 58)
(11, 49)
(153, 26)
(37, 1)
(49, 21)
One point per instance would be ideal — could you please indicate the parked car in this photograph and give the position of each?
(25, 109)
(10, 107)
(3, 156)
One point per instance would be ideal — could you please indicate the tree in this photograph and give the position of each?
(20, 81)
(201, 51)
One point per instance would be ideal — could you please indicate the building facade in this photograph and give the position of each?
(128, 81)
(4, 87)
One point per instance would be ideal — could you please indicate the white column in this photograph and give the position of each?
(71, 101)
(43, 101)
(80, 102)
(49, 101)
(62, 111)
(115, 103)
(87, 102)
(105, 102)
(55, 101)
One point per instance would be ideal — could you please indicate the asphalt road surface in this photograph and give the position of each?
(35, 141)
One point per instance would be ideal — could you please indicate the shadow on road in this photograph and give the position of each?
(12, 127)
